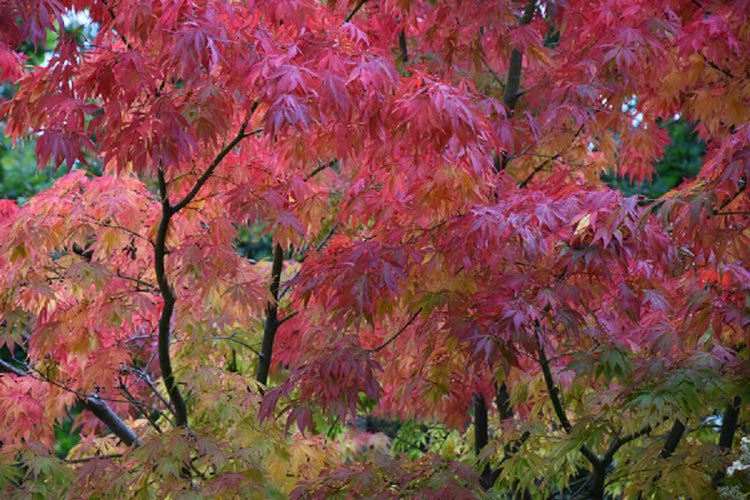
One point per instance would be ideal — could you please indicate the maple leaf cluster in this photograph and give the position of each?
(444, 247)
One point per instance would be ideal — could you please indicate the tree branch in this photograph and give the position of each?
(92, 458)
(354, 11)
(536, 170)
(288, 317)
(232, 338)
(502, 400)
(546, 162)
(619, 442)
(402, 45)
(481, 438)
(557, 405)
(715, 66)
(8, 368)
(150, 383)
(112, 15)
(272, 320)
(729, 424)
(160, 251)
(673, 439)
(104, 413)
(96, 406)
(215, 163)
(318, 247)
(726, 434)
(320, 168)
(395, 335)
(513, 81)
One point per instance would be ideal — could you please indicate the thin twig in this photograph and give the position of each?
(288, 317)
(395, 335)
(112, 15)
(90, 459)
(148, 285)
(147, 379)
(718, 68)
(318, 248)
(549, 160)
(232, 338)
(354, 11)
(129, 396)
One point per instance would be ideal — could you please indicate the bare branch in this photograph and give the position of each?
(619, 442)
(320, 168)
(354, 11)
(513, 81)
(104, 413)
(215, 163)
(673, 439)
(150, 383)
(8, 368)
(272, 321)
(546, 162)
(232, 338)
(288, 317)
(395, 335)
(557, 405)
(95, 405)
(165, 319)
(83, 460)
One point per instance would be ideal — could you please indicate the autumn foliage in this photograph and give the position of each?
(444, 249)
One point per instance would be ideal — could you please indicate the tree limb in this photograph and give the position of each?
(320, 168)
(318, 248)
(481, 424)
(513, 81)
(272, 320)
(673, 439)
(8, 368)
(502, 400)
(215, 163)
(619, 442)
(729, 424)
(160, 251)
(395, 335)
(354, 11)
(557, 405)
(165, 319)
(726, 434)
(546, 162)
(104, 413)
(96, 406)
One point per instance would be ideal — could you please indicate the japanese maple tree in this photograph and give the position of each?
(444, 247)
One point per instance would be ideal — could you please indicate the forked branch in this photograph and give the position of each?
(160, 251)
